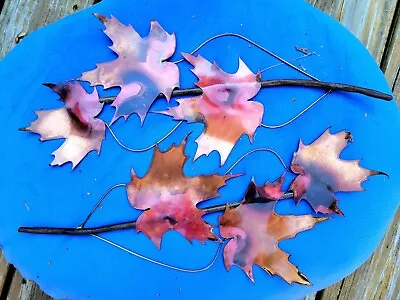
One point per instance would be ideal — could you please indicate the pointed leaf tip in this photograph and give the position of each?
(169, 198)
(140, 69)
(321, 172)
(75, 122)
(50, 85)
(224, 106)
(255, 230)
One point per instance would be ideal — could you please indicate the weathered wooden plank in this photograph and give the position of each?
(17, 19)
(3, 271)
(15, 287)
(22, 289)
(391, 62)
(369, 20)
(396, 88)
(20, 17)
(333, 8)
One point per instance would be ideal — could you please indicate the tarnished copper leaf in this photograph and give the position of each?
(255, 230)
(75, 122)
(170, 198)
(223, 106)
(140, 70)
(322, 172)
(271, 190)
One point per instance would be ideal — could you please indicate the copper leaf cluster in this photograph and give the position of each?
(167, 197)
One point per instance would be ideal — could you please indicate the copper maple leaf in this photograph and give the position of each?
(255, 230)
(75, 122)
(223, 106)
(140, 69)
(271, 190)
(170, 198)
(322, 172)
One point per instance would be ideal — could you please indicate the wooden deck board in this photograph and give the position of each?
(375, 22)
(4, 267)
(20, 17)
(391, 62)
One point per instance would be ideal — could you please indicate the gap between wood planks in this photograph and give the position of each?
(392, 32)
(336, 9)
(1, 8)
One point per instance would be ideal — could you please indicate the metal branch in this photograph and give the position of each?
(287, 82)
(127, 225)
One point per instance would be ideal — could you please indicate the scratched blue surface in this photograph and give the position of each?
(83, 267)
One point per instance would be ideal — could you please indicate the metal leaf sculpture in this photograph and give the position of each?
(322, 172)
(170, 198)
(223, 106)
(75, 122)
(140, 70)
(271, 190)
(255, 230)
(166, 196)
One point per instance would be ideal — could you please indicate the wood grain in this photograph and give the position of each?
(391, 61)
(4, 267)
(20, 17)
(374, 22)
(22, 289)
(369, 20)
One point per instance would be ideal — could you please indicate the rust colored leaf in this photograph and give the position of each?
(75, 122)
(140, 69)
(255, 230)
(170, 198)
(322, 172)
(223, 106)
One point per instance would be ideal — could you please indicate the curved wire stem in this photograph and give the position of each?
(144, 149)
(208, 266)
(83, 224)
(298, 115)
(242, 37)
(258, 150)
(291, 60)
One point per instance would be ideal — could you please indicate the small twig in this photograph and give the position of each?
(286, 82)
(126, 225)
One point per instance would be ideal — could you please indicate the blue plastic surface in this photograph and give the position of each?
(83, 267)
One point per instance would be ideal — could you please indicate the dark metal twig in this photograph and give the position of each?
(127, 225)
(286, 82)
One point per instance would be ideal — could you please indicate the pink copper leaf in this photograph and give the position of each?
(322, 172)
(75, 122)
(169, 198)
(140, 69)
(272, 191)
(255, 230)
(223, 106)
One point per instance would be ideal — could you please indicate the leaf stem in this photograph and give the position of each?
(286, 82)
(126, 225)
